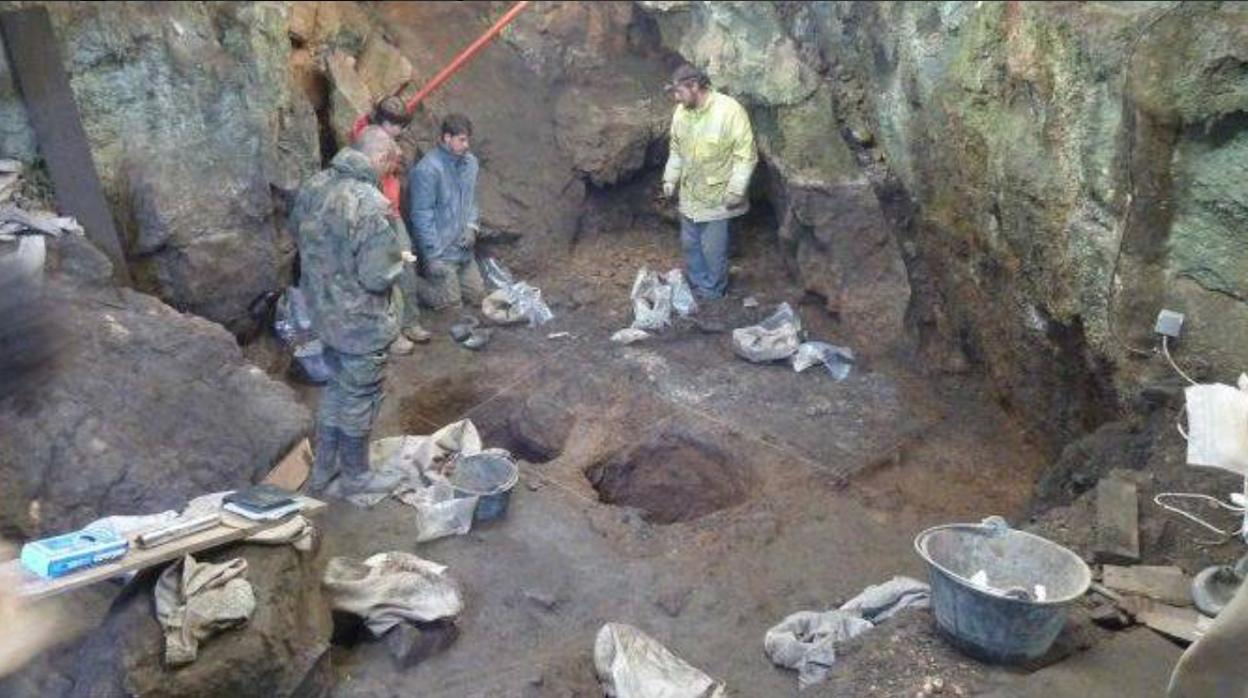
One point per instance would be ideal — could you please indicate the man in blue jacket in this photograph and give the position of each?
(442, 210)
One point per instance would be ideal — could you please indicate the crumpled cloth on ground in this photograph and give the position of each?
(777, 337)
(392, 588)
(631, 664)
(196, 600)
(423, 484)
(807, 640)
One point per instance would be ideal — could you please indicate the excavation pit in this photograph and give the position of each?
(672, 478)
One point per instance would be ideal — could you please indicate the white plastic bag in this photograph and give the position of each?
(523, 299)
(838, 360)
(1217, 418)
(652, 301)
(775, 338)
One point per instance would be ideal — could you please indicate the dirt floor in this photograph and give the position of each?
(794, 491)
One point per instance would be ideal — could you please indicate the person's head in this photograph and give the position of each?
(688, 86)
(391, 114)
(456, 133)
(380, 149)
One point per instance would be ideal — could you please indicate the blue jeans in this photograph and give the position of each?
(706, 255)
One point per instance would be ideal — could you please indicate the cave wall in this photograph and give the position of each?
(1014, 153)
(191, 114)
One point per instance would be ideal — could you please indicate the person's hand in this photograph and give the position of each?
(732, 201)
(470, 236)
(669, 190)
(408, 257)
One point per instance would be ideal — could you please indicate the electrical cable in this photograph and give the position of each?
(1196, 519)
(1165, 349)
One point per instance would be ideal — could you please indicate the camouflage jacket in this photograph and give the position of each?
(350, 252)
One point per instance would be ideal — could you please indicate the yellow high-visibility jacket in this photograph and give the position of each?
(711, 155)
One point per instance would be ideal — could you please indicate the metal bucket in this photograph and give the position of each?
(489, 475)
(986, 623)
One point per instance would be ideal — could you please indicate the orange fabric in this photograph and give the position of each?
(390, 187)
(358, 127)
(390, 183)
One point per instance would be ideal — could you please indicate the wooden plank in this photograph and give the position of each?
(233, 528)
(34, 54)
(292, 470)
(1117, 521)
(1184, 624)
(1166, 584)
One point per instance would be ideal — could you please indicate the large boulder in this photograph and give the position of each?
(282, 651)
(146, 407)
(191, 113)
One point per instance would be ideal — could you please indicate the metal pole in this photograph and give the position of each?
(466, 55)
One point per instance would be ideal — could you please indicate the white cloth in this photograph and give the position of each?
(631, 664)
(419, 461)
(392, 588)
(807, 640)
(196, 600)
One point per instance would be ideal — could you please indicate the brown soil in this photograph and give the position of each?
(674, 477)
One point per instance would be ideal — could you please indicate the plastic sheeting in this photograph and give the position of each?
(392, 588)
(656, 296)
(631, 664)
(838, 360)
(777, 337)
(521, 299)
(807, 640)
(420, 464)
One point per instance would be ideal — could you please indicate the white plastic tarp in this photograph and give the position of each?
(631, 664)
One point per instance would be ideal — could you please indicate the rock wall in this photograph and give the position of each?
(1053, 173)
(143, 408)
(191, 114)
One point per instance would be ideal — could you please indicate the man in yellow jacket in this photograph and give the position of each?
(711, 159)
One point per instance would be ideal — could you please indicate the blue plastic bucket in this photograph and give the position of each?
(489, 475)
(985, 622)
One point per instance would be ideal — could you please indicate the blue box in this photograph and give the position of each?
(60, 555)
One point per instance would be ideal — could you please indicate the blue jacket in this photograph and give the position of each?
(442, 205)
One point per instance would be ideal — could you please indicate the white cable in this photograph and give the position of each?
(1196, 519)
(1165, 349)
(1178, 423)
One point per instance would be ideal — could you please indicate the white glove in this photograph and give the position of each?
(408, 257)
(669, 190)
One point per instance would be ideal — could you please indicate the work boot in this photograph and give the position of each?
(401, 346)
(357, 477)
(325, 460)
(417, 334)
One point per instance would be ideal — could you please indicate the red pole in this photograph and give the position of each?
(466, 55)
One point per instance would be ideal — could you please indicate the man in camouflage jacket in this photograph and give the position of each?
(351, 252)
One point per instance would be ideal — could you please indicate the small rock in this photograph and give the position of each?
(543, 599)
(409, 644)
(533, 485)
(749, 302)
(673, 601)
